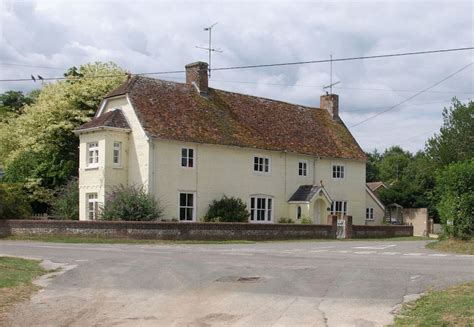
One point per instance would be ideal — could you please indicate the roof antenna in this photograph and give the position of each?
(331, 84)
(210, 49)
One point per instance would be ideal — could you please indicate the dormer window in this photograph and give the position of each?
(92, 154)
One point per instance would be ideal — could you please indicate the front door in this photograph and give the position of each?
(317, 211)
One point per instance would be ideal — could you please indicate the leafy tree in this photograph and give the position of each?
(455, 141)
(227, 210)
(392, 164)
(46, 154)
(14, 203)
(66, 201)
(130, 203)
(455, 186)
(372, 170)
(14, 102)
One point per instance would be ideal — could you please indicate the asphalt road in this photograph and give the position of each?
(349, 283)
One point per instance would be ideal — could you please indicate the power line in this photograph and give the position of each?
(414, 95)
(411, 105)
(346, 59)
(268, 65)
(31, 66)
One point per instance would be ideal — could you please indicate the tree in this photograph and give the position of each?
(455, 141)
(14, 203)
(130, 203)
(66, 202)
(372, 171)
(46, 154)
(455, 186)
(392, 164)
(14, 102)
(227, 210)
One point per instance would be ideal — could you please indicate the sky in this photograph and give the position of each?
(46, 37)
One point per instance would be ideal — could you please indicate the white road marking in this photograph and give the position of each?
(437, 255)
(81, 260)
(365, 252)
(318, 251)
(414, 278)
(464, 255)
(413, 254)
(379, 247)
(342, 251)
(390, 253)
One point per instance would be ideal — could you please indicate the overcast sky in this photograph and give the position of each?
(150, 36)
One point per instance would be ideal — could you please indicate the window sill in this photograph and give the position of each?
(117, 167)
(92, 168)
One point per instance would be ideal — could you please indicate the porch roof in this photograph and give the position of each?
(306, 193)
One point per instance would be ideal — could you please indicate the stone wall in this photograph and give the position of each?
(192, 231)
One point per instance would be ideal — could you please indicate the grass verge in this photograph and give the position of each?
(16, 280)
(451, 307)
(451, 245)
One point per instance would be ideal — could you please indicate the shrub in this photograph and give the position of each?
(455, 188)
(227, 210)
(13, 202)
(306, 221)
(130, 203)
(283, 220)
(66, 202)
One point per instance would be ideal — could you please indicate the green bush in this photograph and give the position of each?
(455, 189)
(66, 201)
(130, 203)
(227, 210)
(13, 202)
(306, 221)
(283, 220)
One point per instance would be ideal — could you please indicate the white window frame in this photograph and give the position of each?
(266, 210)
(369, 213)
(338, 171)
(92, 201)
(188, 158)
(303, 168)
(261, 164)
(117, 150)
(186, 206)
(92, 154)
(342, 210)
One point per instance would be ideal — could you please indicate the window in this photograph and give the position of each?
(302, 168)
(298, 212)
(339, 208)
(92, 206)
(261, 164)
(261, 208)
(369, 213)
(186, 206)
(187, 157)
(117, 153)
(337, 171)
(92, 154)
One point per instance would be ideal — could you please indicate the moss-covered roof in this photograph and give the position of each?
(176, 111)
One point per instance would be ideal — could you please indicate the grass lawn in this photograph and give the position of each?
(16, 276)
(451, 307)
(450, 245)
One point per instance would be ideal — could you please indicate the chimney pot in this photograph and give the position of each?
(330, 102)
(196, 74)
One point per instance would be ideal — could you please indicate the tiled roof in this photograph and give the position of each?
(305, 193)
(375, 185)
(113, 118)
(176, 111)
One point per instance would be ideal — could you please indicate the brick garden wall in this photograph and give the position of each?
(191, 231)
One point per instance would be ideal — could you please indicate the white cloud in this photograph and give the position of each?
(144, 36)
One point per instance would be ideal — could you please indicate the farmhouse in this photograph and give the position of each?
(188, 144)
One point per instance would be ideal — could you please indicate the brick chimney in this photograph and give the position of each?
(196, 74)
(330, 102)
